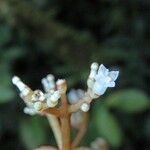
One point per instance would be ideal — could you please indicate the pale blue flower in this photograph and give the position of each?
(104, 79)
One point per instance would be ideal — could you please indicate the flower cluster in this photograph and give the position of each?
(100, 79)
(37, 101)
(71, 108)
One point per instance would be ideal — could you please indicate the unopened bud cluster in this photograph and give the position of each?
(37, 101)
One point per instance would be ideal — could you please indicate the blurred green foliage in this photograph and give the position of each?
(64, 37)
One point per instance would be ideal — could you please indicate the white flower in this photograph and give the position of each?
(104, 79)
(75, 95)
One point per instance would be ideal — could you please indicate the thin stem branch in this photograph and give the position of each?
(66, 130)
(55, 125)
(65, 124)
(76, 107)
(53, 111)
(82, 129)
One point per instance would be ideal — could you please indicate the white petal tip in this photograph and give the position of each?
(15, 79)
(50, 77)
(85, 107)
(60, 81)
(94, 66)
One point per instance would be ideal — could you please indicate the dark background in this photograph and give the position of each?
(64, 37)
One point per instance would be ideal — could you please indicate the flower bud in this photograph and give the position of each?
(61, 85)
(38, 95)
(94, 68)
(16, 81)
(50, 103)
(85, 107)
(55, 96)
(37, 106)
(29, 111)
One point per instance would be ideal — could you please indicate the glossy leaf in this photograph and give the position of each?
(108, 126)
(130, 100)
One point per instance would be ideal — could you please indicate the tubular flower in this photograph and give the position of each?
(101, 79)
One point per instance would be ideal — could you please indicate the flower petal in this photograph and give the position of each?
(111, 84)
(99, 89)
(113, 75)
(103, 70)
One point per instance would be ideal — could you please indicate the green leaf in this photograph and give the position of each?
(130, 100)
(6, 94)
(5, 34)
(32, 132)
(6, 91)
(108, 127)
(13, 53)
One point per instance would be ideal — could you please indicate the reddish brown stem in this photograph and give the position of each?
(65, 124)
(53, 111)
(76, 107)
(66, 137)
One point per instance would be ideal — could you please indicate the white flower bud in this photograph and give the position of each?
(93, 71)
(94, 66)
(50, 103)
(85, 107)
(15, 79)
(60, 81)
(38, 95)
(48, 82)
(29, 111)
(50, 77)
(45, 84)
(61, 85)
(37, 106)
(75, 95)
(55, 96)
(25, 92)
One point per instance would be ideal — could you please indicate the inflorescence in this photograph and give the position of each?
(60, 107)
